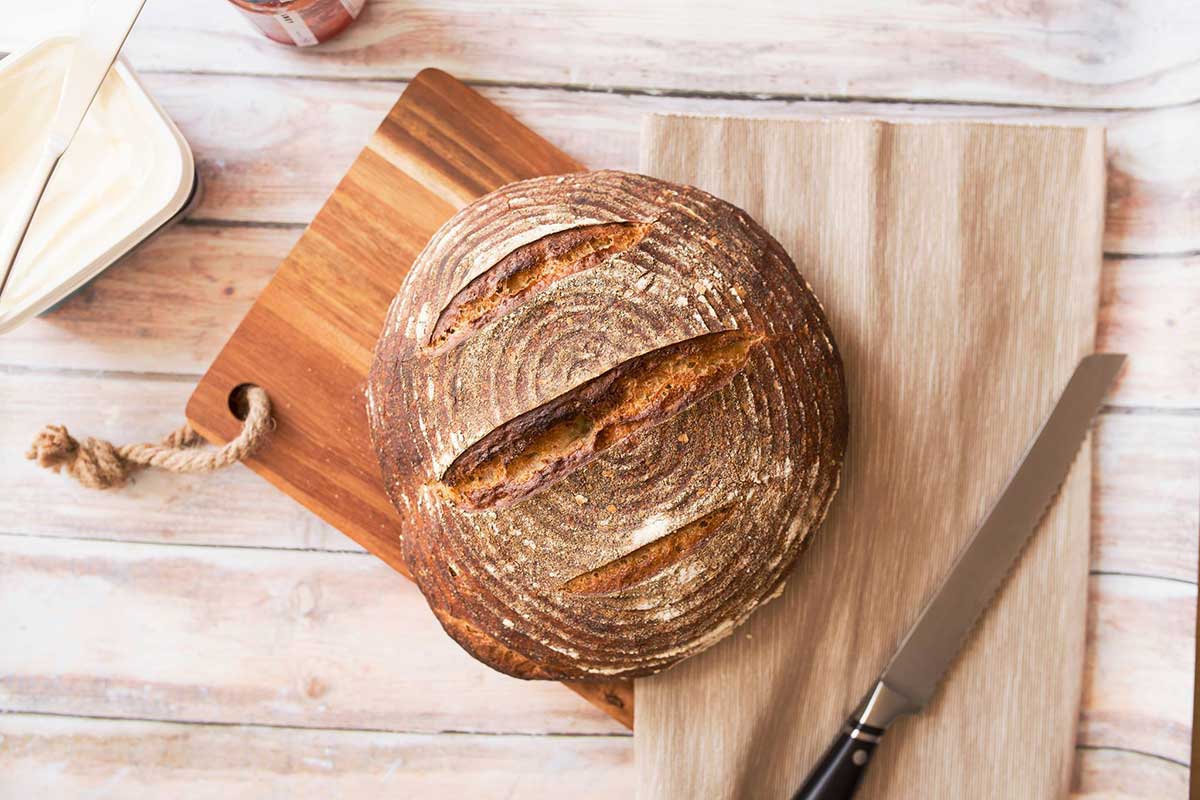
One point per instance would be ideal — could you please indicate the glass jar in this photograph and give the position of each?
(301, 23)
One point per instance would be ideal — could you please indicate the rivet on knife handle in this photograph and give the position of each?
(911, 677)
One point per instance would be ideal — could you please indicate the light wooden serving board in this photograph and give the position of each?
(959, 265)
(309, 338)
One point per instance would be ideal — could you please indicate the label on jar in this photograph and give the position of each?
(296, 28)
(353, 7)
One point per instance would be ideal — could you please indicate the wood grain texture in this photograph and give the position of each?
(290, 639)
(1146, 495)
(68, 757)
(1060, 53)
(1115, 705)
(77, 757)
(279, 169)
(441, 146)
(944, 364)
(1102, 774)
(1152, 307)
(223, 635)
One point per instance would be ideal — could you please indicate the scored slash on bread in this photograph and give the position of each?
(531, 268)
(537, 448)
(610, 412)
(649, 559)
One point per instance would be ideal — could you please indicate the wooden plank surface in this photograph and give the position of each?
(1158, 722)
(268, 173)
(268, 166)
(1134, 54)
(949, 371)
(120, 758)
(76, 757)
(1103, 774)
(303, 661)
(1146, 495)
(294, 648)
(334, 640)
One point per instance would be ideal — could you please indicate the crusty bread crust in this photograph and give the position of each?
(610, 412)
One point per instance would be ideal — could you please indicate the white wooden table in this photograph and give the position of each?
(208, 637)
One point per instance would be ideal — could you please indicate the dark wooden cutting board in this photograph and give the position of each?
(309, 338)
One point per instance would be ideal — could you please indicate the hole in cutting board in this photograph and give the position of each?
(239, 406)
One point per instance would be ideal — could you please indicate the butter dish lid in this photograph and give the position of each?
(128, 172)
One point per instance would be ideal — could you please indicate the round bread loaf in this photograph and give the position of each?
(610, 411)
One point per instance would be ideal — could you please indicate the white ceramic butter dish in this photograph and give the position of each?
(127, 174)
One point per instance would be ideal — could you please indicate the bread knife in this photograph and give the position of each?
(103, 32)
(912, 676)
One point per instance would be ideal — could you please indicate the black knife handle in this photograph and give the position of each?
(837, 775)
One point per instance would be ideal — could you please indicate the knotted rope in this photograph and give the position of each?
(98, 464)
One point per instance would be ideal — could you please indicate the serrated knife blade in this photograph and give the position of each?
(931, 645)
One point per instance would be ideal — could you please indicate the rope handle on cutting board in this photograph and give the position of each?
(99, 464)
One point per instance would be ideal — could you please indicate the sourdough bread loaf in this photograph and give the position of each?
(610, 412)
